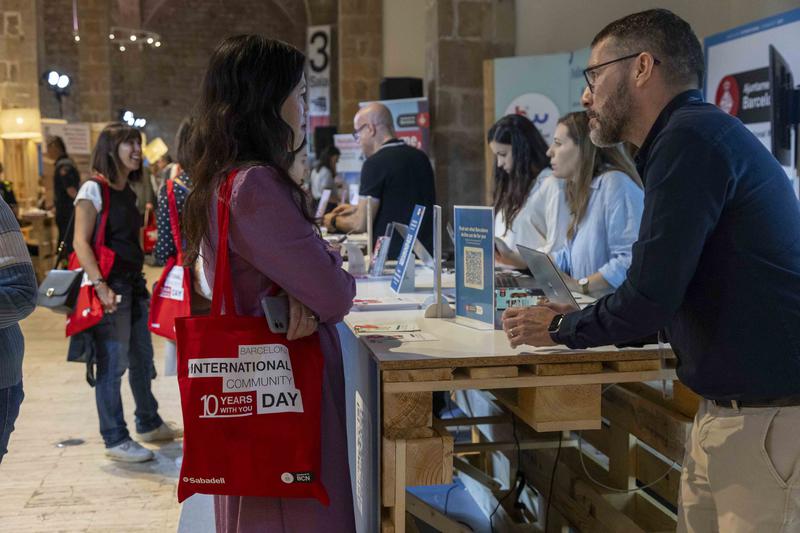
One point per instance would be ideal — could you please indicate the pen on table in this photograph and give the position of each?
(343, 238)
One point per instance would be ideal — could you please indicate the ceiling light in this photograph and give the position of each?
(133, 37)
(52, 78)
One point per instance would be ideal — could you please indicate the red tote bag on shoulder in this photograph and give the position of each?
(172, 294)
(88, 311)
(251, 399)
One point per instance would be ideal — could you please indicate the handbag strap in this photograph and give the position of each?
(223, 284)
(100, 230)
(100, 235)
(223, 287)
(174, 220)
(62, 246)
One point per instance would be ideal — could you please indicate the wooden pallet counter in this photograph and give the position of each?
(395, 441)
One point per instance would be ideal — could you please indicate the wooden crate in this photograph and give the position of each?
(425, 460)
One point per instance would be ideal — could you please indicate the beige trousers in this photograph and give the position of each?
(741, 472)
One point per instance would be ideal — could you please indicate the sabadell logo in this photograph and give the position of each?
(728, 96)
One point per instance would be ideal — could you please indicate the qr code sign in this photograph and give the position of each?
(473, 268)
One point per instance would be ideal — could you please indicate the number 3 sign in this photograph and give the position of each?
(318, 45)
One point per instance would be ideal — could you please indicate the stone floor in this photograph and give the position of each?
(46, 488)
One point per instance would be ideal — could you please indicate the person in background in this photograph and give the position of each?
(145, 196)
(716, 267)
(122, 340)
(259, 83)
(605, 197)
(161, 171)
(529, 205)
(324, 174)
(165, 245)
(7, 192)
(17, 301)
(395, 176)
(66, 181)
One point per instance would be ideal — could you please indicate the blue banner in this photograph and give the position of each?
(406, 254)
(474, 232)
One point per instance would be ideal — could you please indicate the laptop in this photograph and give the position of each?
(420, 251)
(546, 277)
(514, 280)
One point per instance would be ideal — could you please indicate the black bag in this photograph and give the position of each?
(60, 288)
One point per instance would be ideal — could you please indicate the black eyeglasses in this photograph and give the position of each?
(357, 133)
(590, 73)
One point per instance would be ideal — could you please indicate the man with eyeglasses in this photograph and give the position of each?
(716, 268)
(395, 177)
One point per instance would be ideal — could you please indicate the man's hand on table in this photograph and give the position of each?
(529, 325)
(341, 210)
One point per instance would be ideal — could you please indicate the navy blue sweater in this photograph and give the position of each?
(717, 262)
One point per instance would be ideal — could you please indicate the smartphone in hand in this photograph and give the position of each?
(276, 311)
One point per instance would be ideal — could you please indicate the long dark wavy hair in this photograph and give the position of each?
(105, 156)
(238, 124)
(529, 154)
(594, 161)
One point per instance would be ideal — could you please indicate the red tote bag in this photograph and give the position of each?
(251, 399)
(88, 311)
(150, 232)
(172, 294)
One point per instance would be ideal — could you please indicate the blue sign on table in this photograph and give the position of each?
(474, 233)
(406, 252)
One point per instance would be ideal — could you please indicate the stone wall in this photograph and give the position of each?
(19, 73)
(461, 35)
(360, 56)
(58, 51)
(161, 85)
(94, 64)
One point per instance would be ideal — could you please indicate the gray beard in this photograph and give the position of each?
(615, 119)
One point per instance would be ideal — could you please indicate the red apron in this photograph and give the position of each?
(172, 294)
(88, 311)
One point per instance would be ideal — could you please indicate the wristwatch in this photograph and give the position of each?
(98, 281)
(333, 222)
(555, 325)
(583, 283)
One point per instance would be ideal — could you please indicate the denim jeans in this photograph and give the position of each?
(10, 400)
(123, 342)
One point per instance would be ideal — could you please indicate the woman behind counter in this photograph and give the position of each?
(605, 198)
(530, 206)
(251, 118)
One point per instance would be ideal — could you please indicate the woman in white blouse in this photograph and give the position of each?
(605, 197)
(530, 206)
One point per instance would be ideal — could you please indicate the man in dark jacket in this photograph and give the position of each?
(716, 268)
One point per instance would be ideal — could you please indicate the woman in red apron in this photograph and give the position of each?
(121, 339)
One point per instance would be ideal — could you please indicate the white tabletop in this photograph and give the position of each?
(457, 343)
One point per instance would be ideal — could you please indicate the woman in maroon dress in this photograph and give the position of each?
(251, 117)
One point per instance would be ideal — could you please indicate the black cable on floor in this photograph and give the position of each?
(519, 482)
(552, 482)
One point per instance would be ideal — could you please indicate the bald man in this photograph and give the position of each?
(395, 177)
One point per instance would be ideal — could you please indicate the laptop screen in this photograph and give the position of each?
(546, 276)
